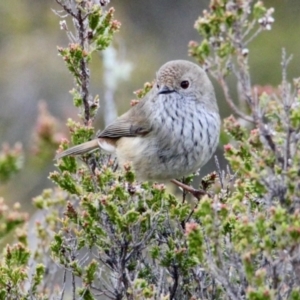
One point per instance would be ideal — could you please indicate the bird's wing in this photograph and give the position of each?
(128, 125)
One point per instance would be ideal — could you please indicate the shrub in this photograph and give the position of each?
(116, 238)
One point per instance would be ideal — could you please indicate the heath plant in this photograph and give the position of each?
(105, 235)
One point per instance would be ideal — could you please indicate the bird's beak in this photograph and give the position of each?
(165, 90)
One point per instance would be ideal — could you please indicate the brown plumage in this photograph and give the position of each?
(171, 132)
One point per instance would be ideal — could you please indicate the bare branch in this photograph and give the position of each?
(66, 8)
(230, 101)
(85, 73)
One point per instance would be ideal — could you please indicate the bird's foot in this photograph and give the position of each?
(197, 193)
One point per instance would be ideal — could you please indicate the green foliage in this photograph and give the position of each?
(219, 25)
(10, 219)
(80, 133)
(96, 35)
(11, 161)
(14, 275)
(123, 239)
(102, 27)
(125, 222)
(142, 92)
(227, 245)
(46, 137)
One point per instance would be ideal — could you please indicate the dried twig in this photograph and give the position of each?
(85, 77)
(229, 100)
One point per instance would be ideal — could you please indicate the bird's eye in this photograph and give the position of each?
(184, 84)
(157, 86)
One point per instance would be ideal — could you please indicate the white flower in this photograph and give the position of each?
(245, 52)
(63, 25)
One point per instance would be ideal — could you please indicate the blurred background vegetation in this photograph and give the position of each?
(152, 33)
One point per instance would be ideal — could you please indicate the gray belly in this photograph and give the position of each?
(174, 160)
(180, 143)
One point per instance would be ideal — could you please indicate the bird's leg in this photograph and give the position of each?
(198, 194)
(91, 163)
(116, 165)
(184, 192)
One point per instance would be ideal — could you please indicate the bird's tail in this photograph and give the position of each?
(79, 149)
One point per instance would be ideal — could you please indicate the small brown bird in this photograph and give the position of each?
(172, 132)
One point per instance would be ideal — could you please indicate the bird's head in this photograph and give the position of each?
(186, 79)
